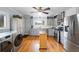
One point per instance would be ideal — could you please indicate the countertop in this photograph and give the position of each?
(6, 33)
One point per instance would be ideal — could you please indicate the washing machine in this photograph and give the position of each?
(6, 44)
(17, 40)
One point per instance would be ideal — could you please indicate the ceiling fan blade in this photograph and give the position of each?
(38, 9)
(35, 8)
(45, 12)
(46, 9)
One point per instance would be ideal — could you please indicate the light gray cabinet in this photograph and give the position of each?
(51, 32)
(34, 32)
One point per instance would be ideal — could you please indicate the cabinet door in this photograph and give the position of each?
(62, 37)
(51, 32)
(34, 32)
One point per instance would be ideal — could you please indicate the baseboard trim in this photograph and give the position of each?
(25, 36)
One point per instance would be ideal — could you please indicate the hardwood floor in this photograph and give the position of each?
(32, 44)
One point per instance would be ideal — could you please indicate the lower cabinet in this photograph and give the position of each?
(51, 32)
(34, 32)
(62, 37)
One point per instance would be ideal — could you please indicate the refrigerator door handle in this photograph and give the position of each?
(66, 28)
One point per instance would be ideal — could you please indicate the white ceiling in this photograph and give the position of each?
(30, 11)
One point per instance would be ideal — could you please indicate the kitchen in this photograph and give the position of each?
(22, 27)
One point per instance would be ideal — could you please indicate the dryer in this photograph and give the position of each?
(17, 40)
(17, 26)
(6, 44)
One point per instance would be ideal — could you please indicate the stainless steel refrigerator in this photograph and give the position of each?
(71, 33)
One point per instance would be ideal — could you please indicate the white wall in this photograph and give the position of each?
(9, 12)
(70, 11)
(27, 24)
(7, 21)
(39, 20)
(50, 22)
(39, 17)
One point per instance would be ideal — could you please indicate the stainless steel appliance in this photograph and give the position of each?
(17, 40)
(57, 33)
(71, 33)
(6, 44)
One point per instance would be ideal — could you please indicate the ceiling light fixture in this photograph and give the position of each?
(39, 13)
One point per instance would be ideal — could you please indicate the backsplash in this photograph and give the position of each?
(4, 30)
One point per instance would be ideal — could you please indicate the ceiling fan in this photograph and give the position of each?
(42, 9)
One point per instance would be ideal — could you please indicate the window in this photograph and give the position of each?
(39, 23)
(2, 21)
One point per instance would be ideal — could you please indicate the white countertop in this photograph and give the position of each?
(44, 27)
(6, 33)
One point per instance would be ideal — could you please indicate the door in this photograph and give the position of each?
(18, 40)
(73, 33)
(76, 31)
(71, 28)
